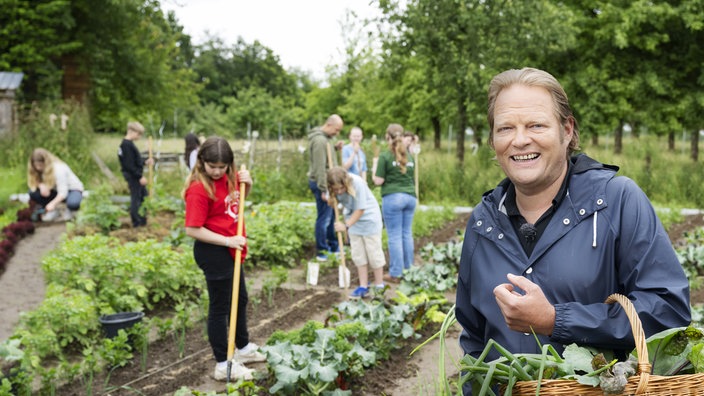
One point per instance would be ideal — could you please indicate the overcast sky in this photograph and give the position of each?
(303, 33)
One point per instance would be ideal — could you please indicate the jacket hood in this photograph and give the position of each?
(582, 163)
(316, 133)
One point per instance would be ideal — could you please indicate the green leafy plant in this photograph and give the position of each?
(278, 232)
(427, 219)
(429, 277)
(66, 318)
(279, 275)
(312, 369)
(98, 211)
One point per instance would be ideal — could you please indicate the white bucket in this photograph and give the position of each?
(312, 275)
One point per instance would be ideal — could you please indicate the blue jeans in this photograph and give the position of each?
(398, 209)
(325, 238)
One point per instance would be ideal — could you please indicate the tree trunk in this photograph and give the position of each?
(695, 146)
(618, 139)
(477, 135)
(462, 114)
(435, 120)
(595, 139)
(671, 141)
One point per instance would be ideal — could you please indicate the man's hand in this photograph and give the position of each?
(525, 312)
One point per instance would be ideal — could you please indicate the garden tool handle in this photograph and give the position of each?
(236, 278)
(331, 196)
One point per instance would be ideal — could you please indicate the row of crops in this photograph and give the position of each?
(93, 273)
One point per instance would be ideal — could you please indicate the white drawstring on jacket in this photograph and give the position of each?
(594, 233)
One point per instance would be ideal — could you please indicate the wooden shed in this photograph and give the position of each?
(9, 82)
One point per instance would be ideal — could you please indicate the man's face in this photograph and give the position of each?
(530, 143)
(333, 129)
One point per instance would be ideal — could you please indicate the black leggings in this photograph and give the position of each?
(218, 267)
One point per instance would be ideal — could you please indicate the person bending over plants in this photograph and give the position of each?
(363, 225)
(212, 211)
(51, 182)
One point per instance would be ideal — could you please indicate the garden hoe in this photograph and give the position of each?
(235, 286)
(343, 273)
(416, 151)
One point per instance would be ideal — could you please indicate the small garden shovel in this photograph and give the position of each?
(342, 270)
(235, 283)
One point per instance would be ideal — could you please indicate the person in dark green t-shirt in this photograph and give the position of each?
(393, 171)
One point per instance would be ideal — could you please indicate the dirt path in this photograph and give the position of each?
(22, 285)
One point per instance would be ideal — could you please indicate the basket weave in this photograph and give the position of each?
(640, 384)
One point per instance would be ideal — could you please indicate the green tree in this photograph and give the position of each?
(129, 50)
(126, 48)
(639, 62)
(33, 37)
(249, 84)
(464, 43)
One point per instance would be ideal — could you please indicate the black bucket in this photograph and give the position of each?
(121, 320)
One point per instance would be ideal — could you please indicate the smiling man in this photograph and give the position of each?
(545, 248)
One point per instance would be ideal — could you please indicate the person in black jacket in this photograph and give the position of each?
(132, 166)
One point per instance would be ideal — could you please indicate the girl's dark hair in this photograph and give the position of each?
(213, 150)
(192, 143)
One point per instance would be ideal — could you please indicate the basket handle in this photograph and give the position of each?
(639, 337)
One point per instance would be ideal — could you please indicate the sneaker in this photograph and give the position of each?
(67, 215)
(321, 257)
(238, 371)
(359, 292)
(249, 354)
(50, 216)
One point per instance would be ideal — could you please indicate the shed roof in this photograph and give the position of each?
(10, 80)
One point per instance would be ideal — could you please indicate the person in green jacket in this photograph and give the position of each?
(319, 146)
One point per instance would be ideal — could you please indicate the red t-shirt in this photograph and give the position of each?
(218, 215)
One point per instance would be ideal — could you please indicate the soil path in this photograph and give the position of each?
(22, 286)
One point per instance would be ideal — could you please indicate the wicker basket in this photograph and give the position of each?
(640, 384)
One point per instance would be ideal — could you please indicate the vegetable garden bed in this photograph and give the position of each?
(185, 359)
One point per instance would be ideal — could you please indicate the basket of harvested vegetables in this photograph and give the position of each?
(586, 371)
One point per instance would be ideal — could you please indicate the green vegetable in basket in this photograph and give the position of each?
(670, 351)
(509, 368)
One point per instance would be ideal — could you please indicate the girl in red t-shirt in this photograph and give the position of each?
(212, 207)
